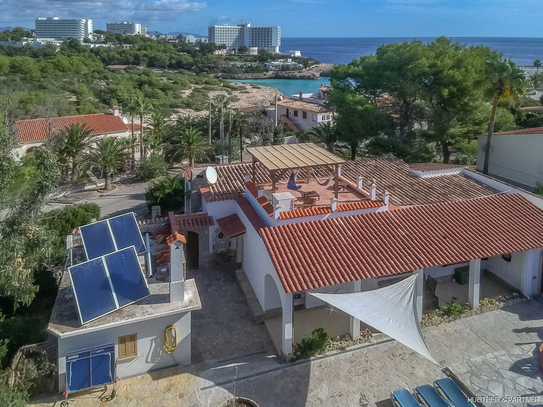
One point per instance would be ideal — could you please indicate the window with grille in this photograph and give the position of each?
(128, 346)
(304, 115)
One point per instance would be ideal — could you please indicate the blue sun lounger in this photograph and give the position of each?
(428, 396)
(403, 398)
(450, 390)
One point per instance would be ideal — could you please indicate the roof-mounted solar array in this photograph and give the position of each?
(109, 235)
(107, 283)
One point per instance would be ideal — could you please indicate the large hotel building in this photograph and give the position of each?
(62, 30)
(268, 38)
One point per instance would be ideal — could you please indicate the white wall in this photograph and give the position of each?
(299, 121)
(511, 272)
(515, 157)
(151, 353)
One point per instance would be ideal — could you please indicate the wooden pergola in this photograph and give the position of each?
(278, 160)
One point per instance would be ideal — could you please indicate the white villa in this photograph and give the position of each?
(359, 225)
(32, 133)
(299, 114)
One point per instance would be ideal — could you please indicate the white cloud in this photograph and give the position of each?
(24, 12)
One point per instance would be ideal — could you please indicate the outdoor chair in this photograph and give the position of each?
(429, 397)
(448, 389)
(403, 398)
(431, 300)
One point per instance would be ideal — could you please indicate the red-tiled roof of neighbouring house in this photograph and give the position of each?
(425, 167)
(333, 251)
(251, 187)
(250, 213)
(211, 197)
(231, 226)
(533, 130)
(40, 129)
(406, 189)
(189, 222)
(301, 105)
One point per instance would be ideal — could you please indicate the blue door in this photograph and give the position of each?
(90, 368)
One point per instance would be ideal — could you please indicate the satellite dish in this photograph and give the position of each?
(211, 175)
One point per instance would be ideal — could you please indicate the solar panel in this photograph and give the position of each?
(126, 232)
(110, 235)
(107, 283)
(126, 276)
(92, 290)
(97, 239)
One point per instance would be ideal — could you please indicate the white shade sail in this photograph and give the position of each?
(391, 310)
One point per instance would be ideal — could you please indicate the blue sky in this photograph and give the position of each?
(299, 18)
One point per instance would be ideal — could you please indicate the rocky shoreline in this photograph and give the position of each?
(313, 72)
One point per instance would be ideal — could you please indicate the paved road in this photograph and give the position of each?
(125, 198)
(493, 353)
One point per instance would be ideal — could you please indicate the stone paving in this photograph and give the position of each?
(493, 353)
(224, 328)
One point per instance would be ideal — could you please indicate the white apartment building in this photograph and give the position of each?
(268, 38)
(54, 27)
(126, 28)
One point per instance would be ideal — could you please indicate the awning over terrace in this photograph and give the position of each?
(280, 159)
(391, 310)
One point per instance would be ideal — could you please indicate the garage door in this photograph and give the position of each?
(90, 368)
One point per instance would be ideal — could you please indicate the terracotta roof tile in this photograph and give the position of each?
(327, 252)
(231, 226)
(252, 188)
(301, 105)
(39, 129)
(175, 237)
(356, 206)
(268, 207)
(392, 175)
(533, 130)
(250, 213)
(189, 222)
(211, 197)
(302, 213)
(406, 189)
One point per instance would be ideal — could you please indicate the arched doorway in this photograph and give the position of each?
(272, 299)
(193, 251)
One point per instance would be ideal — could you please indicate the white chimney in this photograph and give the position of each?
(333, 204)
(116, 111)
(373, 191)
(360, 183)
(247, 177)
(301, 95)
(260, 191)
(177, 272)
(277, 212)
(339, 170)
(386, 197)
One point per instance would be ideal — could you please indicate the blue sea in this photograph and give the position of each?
(343, 50)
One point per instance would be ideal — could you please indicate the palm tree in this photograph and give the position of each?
(537, 65)
(156, 125)
(109, 155)
(73, 142)
(142, 106)
(325, 134)
(239, 123)
(132, 111)
(503, 80)
(189, 145)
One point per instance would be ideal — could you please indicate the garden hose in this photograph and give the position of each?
(169, 346)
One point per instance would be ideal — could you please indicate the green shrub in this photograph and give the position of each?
(168, 192)
(151, 167)
(538, 189)
(312, 345)
(452, 309)
(63, 221)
